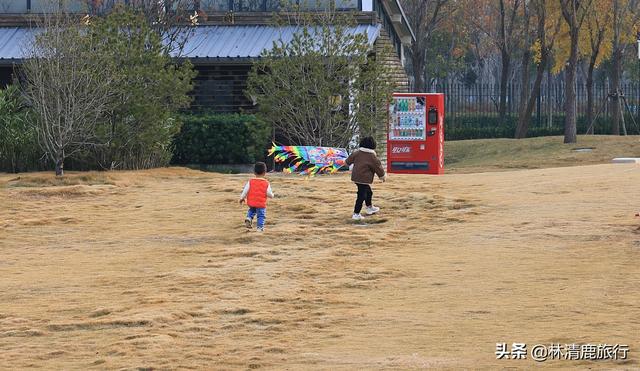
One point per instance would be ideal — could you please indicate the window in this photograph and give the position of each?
(324, 4)
(214, 5)
(13, 6)
(249, 5)
(46, 6)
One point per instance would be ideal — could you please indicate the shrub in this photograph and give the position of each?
(466, 126)
(18, 143)
(221, 139)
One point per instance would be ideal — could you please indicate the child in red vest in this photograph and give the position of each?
(255, 193)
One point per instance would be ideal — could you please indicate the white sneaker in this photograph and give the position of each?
(248, 223)
(372, 210)
(357, 217)
(260, 229)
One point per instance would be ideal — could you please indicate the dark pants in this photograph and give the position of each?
(364, 194)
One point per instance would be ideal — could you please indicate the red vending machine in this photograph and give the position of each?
(415, 137)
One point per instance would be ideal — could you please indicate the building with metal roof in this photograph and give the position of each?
(231, 34)
(206, 44)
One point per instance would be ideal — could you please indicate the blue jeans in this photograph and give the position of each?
(262, 214)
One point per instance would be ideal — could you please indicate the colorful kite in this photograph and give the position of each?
(309, 160)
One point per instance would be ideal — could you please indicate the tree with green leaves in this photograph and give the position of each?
(105, 89)
(17, 137)
(324, 86)
(148, 91)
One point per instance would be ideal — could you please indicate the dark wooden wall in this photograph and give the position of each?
(6, 76)
(220, 88)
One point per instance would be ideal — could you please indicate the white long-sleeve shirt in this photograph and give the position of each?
(245, 191)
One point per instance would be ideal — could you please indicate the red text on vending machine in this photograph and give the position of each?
(415, 136)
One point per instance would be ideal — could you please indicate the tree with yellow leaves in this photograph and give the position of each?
(546, 14)
(574, 13)
(596, 45)
(625, 15)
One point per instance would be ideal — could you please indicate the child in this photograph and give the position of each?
(255, 193)
(365, 165)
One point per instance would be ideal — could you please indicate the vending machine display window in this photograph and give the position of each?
(407, 118)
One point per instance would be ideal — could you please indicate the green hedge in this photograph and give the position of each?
(464, 126)
(19, 150)
(221, 139)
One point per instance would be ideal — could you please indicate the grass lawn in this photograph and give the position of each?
(481, 155)
(155, 270)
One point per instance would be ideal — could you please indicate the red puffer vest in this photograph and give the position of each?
(257, 196)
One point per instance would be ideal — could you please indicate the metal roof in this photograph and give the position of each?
(249, 41)
(229, 42)
(13, 41)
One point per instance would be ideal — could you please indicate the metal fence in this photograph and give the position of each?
(472, 107)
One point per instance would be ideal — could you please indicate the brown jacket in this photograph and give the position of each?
(365, 164)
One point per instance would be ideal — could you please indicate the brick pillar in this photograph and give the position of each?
(400, 80)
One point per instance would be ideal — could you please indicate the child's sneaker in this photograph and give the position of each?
(357, 217)
(248, 223)
(260, 229)
(372, 210)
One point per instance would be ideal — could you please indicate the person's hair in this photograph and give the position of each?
(260, 168)
(368, 142)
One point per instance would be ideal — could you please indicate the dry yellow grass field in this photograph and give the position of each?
(154, 269)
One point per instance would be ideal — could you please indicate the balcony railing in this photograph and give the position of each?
(277, 5)
(46, 6)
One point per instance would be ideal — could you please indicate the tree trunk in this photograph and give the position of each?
(526, 63)
(59, 167)
(570, 91)
(525, 116)
(524, 90)
(417, 59)
(504, 79)
(616, 72)
(549, 102)
(592, 63)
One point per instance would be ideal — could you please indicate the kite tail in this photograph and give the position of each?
(308, 160)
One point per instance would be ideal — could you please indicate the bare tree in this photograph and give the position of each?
(499, 21)
(425, 17)
(625, 17)
(68, 91)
